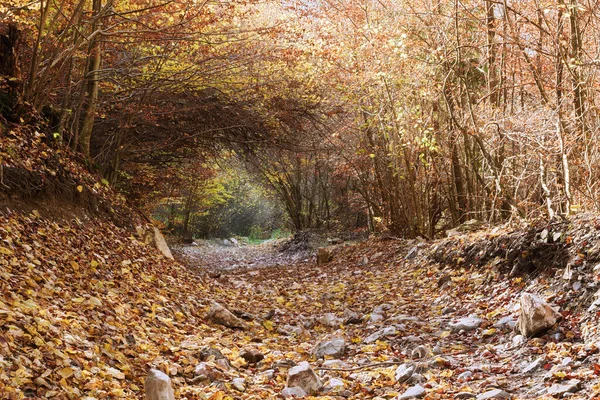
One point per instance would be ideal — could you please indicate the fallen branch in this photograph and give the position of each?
(377, 364)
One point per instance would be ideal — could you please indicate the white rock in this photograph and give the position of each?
(385, 332)
(303, 376)
(466, 324)
(334, 385)
(158, 386)
(293, 393)
(533, 366)
(494, 394)
(505, 322)
(415, 392)
(518, 340)
(571, 386)
(329, 319)
(375, 317)
(239, 384)
(536, 315)
(334, 348)
(404, 372)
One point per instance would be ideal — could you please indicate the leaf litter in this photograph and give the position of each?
(86, 309)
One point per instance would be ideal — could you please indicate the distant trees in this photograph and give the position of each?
(404, 115)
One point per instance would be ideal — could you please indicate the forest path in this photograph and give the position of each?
(451, 325)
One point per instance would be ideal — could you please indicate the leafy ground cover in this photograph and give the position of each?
(86, 309)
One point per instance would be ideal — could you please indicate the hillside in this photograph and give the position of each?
(87, 307)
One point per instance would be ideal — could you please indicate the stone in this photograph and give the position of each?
(375, 317)
(420, 352)
(252, 356)
(153, 236)
(536, 316)
(415, 392)
(303, 376)
(158, 386)
(351, 317)
(560, 389)
(533, 366)
(205, 372)
(505, 323)
(404, 372)
(323, 256)
(334, 348)
(493, 395)
(293, 393)
(239, 384)
(466, 324)
(329, 319)
(334, 385)
(464, 396)
(380, 334)
(448, 310)
(465, 376)
(210, 353)
(222, 316)
(416, 379)
(518, 340)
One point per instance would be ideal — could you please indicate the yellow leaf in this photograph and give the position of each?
(560, 374)
(4, 250)
(444, 334)
(74, 265)
(80, 188)
(66, 372)
(268, 325)
(217, 396)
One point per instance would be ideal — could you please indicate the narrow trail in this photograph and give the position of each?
(391, 312)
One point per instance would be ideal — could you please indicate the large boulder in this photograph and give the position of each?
(153, 237)
(158, 386)
(222, 316)
(303, 376)
(536, 315)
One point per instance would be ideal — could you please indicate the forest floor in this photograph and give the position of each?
(394, 308)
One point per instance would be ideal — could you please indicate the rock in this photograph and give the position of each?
(329, 319)
(222, 316)
(293, 393)
(560, 389)
(323, 256)
(161, 243)
(335, 364)
(416, 379)
(334, 385)
(505, 322)
(334, 348)
(351, 317)
(303, 376)
(464, 396)
(239, 384)
(158, 386)
(518, 340)
(465, 376)
(385, 332)
(204, 372)
(252, 356)
(404, 372)
(412, 253)
(466, 324)
(533, 366)
(448, 310)
(536, 315)
(415, 392)
(375, 317)
(420, 352)
(290, 330)
(208, 352)
(494, 394)
(234, 241)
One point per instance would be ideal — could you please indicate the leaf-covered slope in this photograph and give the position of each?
(85, 309)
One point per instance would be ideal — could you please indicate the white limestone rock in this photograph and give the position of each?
(158, 386)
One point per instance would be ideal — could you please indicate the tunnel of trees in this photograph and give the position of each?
(408, 116)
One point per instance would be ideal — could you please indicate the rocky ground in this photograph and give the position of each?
(87, 310)
(384, 320)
